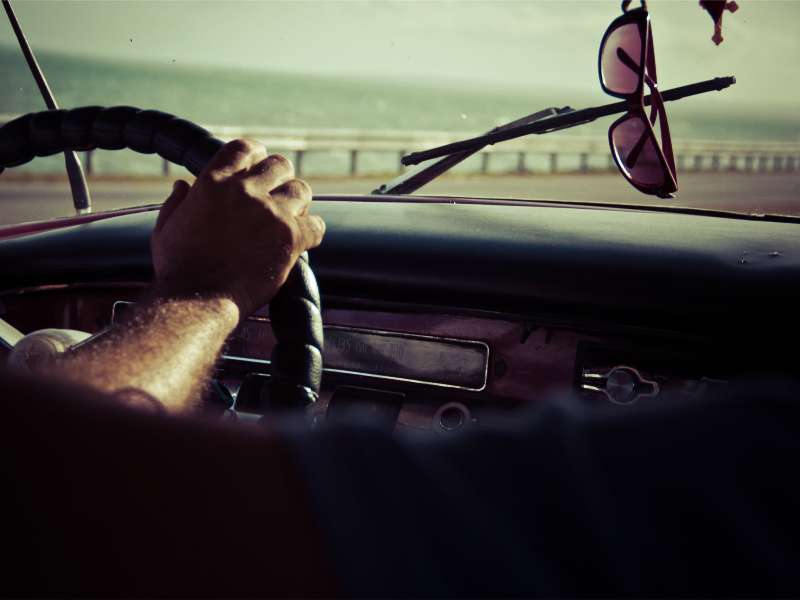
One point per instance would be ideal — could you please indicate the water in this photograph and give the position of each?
(231, 97)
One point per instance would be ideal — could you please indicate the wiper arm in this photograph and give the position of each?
(565, 120)
(81, 199)
(413, 180)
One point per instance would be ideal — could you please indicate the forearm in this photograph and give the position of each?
(166, 350)
(257, 213)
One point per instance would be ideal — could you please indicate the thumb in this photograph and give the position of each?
(179, 190)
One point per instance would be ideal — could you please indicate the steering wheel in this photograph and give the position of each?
(296, 362)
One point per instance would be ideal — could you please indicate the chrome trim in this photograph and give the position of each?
(89, 339)
(114, 309)
(388, 377)
(257, 361)
(403, 379)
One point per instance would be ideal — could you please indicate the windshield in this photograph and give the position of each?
(345, 89)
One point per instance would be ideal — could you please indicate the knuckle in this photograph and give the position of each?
(278, 161)
(241, 146)
(299, 188)
(316, 231)
(210, 177)
(319, 225)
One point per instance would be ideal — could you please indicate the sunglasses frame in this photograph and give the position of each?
(636, 105)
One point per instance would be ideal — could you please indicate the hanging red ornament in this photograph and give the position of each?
(715, 8)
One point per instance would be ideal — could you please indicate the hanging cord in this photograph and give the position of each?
(627, 3)
(77, 181)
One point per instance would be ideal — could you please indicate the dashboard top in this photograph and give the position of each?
(679, 271)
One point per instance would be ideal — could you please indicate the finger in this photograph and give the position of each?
(235, 156)
(179, 190)
(294, 196)
(312, 228)
(270, 173)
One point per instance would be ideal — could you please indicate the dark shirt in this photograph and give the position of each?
(677, 497)
(673, 498)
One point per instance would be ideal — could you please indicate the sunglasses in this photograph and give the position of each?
(640, 143)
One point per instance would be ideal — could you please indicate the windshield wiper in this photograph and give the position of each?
(413, 180)
(546, 121)
(81, 199)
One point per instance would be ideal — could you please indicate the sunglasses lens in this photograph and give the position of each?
(637, 155)
(620, 59)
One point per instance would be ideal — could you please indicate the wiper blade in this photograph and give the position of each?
(413, 180)
(561, 121)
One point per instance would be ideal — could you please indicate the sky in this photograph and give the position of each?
(526, 45)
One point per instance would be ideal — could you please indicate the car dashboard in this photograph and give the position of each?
(442, 313)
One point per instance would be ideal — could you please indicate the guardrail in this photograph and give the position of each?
(697, 155)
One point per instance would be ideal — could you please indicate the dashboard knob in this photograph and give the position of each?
(620, 384)
(451, 416)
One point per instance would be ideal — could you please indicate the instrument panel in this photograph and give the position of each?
(378, 354)
(411, 367)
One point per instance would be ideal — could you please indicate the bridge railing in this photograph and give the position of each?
(559, 153)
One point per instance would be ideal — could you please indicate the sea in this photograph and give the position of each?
(231, 97)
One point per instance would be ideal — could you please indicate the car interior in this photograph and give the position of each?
(438, 310)
(428, 315)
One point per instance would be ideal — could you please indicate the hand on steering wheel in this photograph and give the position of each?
(244, 199)
(248, 204)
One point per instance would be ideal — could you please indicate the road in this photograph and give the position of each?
(778, 193)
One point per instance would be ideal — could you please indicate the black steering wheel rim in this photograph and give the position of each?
(295, 312)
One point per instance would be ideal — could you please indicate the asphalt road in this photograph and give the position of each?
(777, 193)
